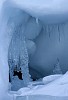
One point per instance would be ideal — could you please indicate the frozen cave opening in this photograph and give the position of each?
(24, 30)
(34, 46)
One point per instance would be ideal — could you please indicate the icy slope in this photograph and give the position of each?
(55, 90)
(57, 87)
(51, 78)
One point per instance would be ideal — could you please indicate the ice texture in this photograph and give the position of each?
(44, 24)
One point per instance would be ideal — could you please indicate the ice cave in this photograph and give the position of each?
(33, 49)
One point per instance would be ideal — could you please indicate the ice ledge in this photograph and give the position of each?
(35, 97)
(40, 97)
(47, 11)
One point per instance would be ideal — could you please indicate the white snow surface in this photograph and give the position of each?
(51, 78)
(57, 87)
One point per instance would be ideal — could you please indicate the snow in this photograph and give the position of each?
(50, 89)
(57, 69)
(40, 97)
(51, 78)
(38, 22)
(54, 90)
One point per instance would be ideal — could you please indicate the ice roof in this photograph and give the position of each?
(49, 11)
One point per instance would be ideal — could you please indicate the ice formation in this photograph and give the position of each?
(57, 69)
(34, 33)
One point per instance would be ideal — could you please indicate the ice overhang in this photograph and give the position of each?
(48, 11)
(51, 16)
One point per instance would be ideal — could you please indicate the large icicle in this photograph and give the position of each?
(18, 57)
(59, 32)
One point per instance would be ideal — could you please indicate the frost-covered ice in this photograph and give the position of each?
(44, 24)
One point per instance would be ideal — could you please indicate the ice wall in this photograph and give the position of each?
(10, 23)
(51, 44)
(5, 37)
(48, 40)
(52, 41)
(18, 55)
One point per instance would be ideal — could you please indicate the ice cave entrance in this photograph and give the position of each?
(31, 35)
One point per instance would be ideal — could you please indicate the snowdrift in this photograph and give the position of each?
(54, 90)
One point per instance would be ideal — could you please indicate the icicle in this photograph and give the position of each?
(59, 33)
(49, 31)
(14, 97)
(37, 20)
(27, 97)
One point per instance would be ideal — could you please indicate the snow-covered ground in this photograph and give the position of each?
(56, 89)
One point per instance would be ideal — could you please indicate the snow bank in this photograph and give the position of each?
(51, 78)
(5, 37)
(54, 88)
(40, 97)
(52, 91)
